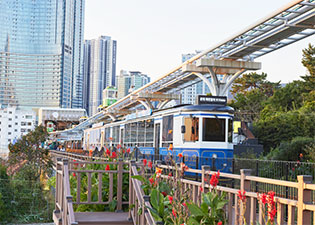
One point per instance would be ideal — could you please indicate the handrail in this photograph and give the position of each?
(68, 213)
(139, 199)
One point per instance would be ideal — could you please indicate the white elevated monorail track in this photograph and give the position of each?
(287, 25)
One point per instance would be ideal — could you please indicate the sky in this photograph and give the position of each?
(152, 35)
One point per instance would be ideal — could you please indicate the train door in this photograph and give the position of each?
(157, 141)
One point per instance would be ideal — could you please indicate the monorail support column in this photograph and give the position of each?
(231, 69)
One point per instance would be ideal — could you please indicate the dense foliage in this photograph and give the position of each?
(281, 116)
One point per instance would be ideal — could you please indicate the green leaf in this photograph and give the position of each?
(204, 207)
(155, 214)
(192, 221)
(195, 210)
(154, 199)
(221, 204)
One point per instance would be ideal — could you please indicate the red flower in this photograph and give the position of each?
(107, 168)
(301, 155)
(263, 198)
(174, 213)
(241, 195)
(150, 164)
(180, 155)
(184, 204)
(201, 189)
(151, 181)
(114, 155)
(73, 174)
(164, 193)
(144, 162)
(123, 151)
(170, 147)
(107, 151)
(170, 198)
(214, 179)
(128, 150)
(118, 146)
(170, 175)
(220, 223)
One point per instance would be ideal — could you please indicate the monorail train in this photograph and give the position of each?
(200, 132)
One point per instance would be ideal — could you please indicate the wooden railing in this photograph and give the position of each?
(234, 211)
(63, 213)
(64, 200)
(138, 200)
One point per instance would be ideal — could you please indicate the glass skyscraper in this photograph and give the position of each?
(99, 70)
(41, 53)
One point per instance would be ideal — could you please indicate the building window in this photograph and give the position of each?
(9, 133)
(16, 123)
(29, 124)
(10, 119)
(15, 130)
(10, 112)
(9, 125)
(28, 117)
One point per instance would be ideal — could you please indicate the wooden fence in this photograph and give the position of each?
(64, 200)
(302, 206)
(289, 211)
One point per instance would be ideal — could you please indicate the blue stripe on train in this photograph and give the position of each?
(222, 161)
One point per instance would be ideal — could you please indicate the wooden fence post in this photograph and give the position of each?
(120, 171)
(131, 200)
(245, 186)
(304, 217)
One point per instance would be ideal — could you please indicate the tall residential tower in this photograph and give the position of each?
(99, 68)
(41, 53)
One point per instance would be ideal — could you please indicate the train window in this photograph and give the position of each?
(167, 132)
(149, 131)
(141, 132)
(127, 133)
(230, 131)
(213, 129)
(133, 132)
(115, 135)
(192, 129)
(107, 135)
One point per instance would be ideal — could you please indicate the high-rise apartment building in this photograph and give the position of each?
(130, 81)
(99, 68)
(41, 53)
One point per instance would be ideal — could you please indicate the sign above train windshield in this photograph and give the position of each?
(218, 100)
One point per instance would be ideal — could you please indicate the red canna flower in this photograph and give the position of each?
(170, 175)
(118, 146)
(114, 155)
(170, 147)
(123, 151)
(164, 193)
(184, 204)
(107, 151)
(150, 164)
(241, 195)
(144, 162)
(170, 198)
(73, 174)
(180, 155)
(107, 168)
(201, 189)
(214, 179)
(128, 150)
(151, 181)
(301, 155)
(220, 223)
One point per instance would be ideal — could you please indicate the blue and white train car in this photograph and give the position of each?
(200, 132)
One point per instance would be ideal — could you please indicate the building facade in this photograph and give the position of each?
(130, 81)
(13, 124)
(99, 68)
(41, 53)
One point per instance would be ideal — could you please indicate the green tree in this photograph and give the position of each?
(29, 151)
(308, 61)
(251, 91)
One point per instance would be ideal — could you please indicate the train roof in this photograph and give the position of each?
(202, 107)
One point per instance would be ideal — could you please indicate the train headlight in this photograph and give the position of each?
(214, 156)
